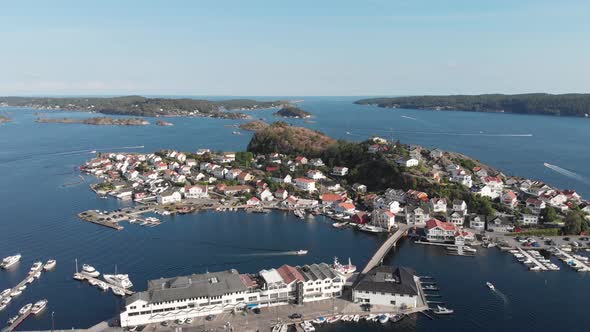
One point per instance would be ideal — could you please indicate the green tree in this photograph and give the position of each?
(573, 223)
(549, 215)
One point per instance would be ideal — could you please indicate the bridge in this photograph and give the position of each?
(385, 248)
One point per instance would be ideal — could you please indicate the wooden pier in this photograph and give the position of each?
(84, 277)
(385, 248)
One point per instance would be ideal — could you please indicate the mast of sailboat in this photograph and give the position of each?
(76, 265)
(349, 262)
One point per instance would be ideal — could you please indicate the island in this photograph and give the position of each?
(255, 125)
(4, 119)
(142, 106)
(280, 137)
(292, 112)
(164, 123)
(97, 121)
(533, 103)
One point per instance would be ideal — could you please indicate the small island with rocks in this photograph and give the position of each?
(293, 112)
(164, 123)
(97, 121)
(255, 125)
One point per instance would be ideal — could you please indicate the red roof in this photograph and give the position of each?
(346, 206)
(511, 195)
(304, 180)
(331, 198)
(272, 168)
(290, 274)
(432, 223)
(492, 179)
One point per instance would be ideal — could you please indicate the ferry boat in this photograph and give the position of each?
(39, 306)
(10, 261)
(490, 285)
(440, 310)
(90, 271)
(301, 252)
(25, 309)
(343, 269)
(49, 265)
(121, 280)
(383, 318)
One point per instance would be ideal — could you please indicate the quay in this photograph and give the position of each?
(84, 277)
(24, 282)
(577, 264)
(113, 218)
(18, 321)
(385, 248)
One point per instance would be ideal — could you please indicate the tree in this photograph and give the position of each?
(549, 215)
(573, 223)
(244, 158)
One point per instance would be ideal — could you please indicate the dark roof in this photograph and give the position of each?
(388, 279)
(316, 272)
(193, 286)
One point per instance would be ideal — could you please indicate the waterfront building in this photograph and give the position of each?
(417, 215)
(387, 286)
(384, 219)
(440, 231)
(361, 217)
(501, 225)
(345, 207)
(168, 197)
(196, 191)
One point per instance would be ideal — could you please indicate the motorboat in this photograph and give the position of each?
(118, 291)
(301, 252)
(16, 292)
(78, 277)
(490, 285)
(180, 321)
(189, 320)
(339, 224)
(39, 306)
(30, 280)
(2, 306)
(12, 320)
(90, 271)
(37, 275)
(25, 309)
(384, 318)
(356, 318)
(319, 320)
(372, 229)
(22, 288)
(10, 261)
(103, 285)
(440, 310)
(277, 328)
(121, 280)
(284, 328)
(6, 300)
(334, 319)
(307, 327)
(36, 267)
(49, 265)
(396, 318)
(5, 292)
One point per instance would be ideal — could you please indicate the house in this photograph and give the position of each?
(386, 204)
(233, 190)
(459, 205)
(253, 201)
(339, 171)
(436, 153)
(315, 175)
(345, 207)
(282, 179)
(233, 174)
(407, 162)
(457, 218)
(168, 197)
(509, 199)
(438, 205)
(281, 194)
(161, 166)
(359, 188)
(417, 215)
(181, 157)
(416, 153)
(317, 162)
(501, 225)
(387, 286)
(329, 199)
(185, 170)
(245, 177)
(196, 191)
(266, 195)
(529, 219)
(486, 191)
(480, 172)
(478, 223)
(494, 182)
(300, 160)
(305, 184)
(535, 205)
(416, 196)
(440, 231)
(384, 219)
(396, 195)
(361, 217)
(201, 152)
(191, 163)
(178, 178)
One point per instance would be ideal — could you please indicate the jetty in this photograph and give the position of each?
(385, 248)
(526, 254)
(84, 277)
(571, 261)
(24, 282)
(112, 219)
(18, 321)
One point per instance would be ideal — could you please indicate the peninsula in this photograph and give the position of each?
(534, 103)
(97, 121)
(142, 106)
(293, 112)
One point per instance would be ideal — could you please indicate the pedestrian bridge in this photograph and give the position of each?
(386, 247)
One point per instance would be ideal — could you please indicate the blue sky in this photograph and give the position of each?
(302, 47)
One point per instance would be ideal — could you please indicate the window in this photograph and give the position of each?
(252, 298)
(392, 302)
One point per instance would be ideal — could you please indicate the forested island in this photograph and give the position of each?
(142, 106)
(293, 112)
(533, 103)
(255, 125)
(97, 121)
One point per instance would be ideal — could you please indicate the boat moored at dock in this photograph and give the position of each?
(90, 270)
(50, 265)
(39, 306)
(10, 261)
(121, 280)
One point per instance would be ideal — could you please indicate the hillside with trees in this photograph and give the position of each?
(283, 138)
(533, 103)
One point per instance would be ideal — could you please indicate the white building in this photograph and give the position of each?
(383, 218)
(315, 175)
(339, 171)
(478, 223)
(387, 286)
(305, 184)
(168, 197)
(440, 231)
(438, 205)
(408, 162)
(529, 219)
(196, 191)
(417, 215)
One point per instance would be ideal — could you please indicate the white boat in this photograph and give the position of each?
(37, 275)
(103, 285)
(93, 151)
(12, 320)
(307, 327)
(301, 252)
(25, 309)
(2, 306)
(343, 269)
(276, 328)
(10, 261)
(36, 267)
(189, 320)
(90, 271)
(440, 310)
(180, 321)
(319, 320)
(490, 285)
(121, 280)
(5, 292)
(93, 282)
(16, 292)
(356, 318)
(581, 258)
(6, 300)
(383, 318)
(396, 318)
(39, 306)
(78, 277)
(22, 288)
(339, 224)
(334, 319)
(49, 265)
(30, 280)
(284, 328)
(118, 291)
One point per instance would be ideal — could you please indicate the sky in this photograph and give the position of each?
(293, 48)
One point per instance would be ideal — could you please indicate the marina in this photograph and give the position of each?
(117, 289)
(24, 313)
(33, 274)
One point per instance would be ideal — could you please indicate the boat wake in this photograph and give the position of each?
(409, 117)
(281, 253)
(567, 173)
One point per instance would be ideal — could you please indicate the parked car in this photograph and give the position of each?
(295, 316)
(209, 317)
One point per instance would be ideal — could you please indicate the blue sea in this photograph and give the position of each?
(38, 215)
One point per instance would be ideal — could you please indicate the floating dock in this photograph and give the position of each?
(17, 322)
(24, 282)
(84, 277)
